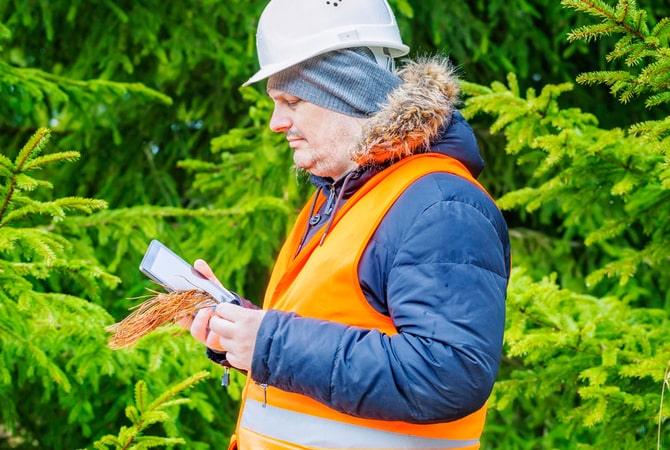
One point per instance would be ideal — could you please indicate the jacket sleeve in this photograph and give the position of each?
(441, 271)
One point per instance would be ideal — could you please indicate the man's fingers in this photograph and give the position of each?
(201, 331)
(200, 325)
(185, 321)
(229, 311)
(237, 328)
(222, 334)
(202, 267)
(214, 342)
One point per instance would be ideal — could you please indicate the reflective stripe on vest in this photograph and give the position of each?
(321, 282)
(317, 432)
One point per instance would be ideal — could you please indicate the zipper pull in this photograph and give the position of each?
(330, 204)
(225, 378)
(265, 393)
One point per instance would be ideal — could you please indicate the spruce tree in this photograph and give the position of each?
(587, 347)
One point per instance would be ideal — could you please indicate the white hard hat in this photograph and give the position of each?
(292, 31)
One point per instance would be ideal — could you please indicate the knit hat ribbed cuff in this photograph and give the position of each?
(348, 81)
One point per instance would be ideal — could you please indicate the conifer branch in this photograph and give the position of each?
(34, 145)
(652, 130)
(636, 44)
(56, 209)
(51, 158)
(143, 414)
(625, 18)
(658, 99)
(662, 30)
(63, 89)
(5, 166)
(29, 159)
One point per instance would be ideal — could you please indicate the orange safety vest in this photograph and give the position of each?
(274, 419)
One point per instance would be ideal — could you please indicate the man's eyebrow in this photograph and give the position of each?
(276, 94)
(283, 96)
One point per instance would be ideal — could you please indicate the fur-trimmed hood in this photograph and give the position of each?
(417, 116)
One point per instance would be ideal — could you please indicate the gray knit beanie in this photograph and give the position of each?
(348, 81)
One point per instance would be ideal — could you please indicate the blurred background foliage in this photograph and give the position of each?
(148, 95)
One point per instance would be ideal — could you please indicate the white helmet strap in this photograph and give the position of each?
(383, 58)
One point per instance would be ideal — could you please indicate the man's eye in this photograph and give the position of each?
(292, 103)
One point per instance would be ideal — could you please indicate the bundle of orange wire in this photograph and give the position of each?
(156, 311)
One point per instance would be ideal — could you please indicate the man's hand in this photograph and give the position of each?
(226, 328)
(236, 328)
(199, 324)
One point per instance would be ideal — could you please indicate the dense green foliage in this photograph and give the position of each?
(169, 147)
(590, 370)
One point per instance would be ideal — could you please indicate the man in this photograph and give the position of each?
(383, 320)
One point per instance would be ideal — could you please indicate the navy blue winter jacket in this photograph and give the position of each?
(438, 265)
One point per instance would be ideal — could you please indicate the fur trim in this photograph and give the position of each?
(417, 110)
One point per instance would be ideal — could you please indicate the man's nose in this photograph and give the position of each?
(279, 122)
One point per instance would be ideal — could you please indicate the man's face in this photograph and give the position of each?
(321, 139)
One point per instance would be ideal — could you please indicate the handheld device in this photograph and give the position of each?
(169, 270)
